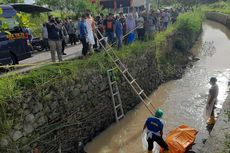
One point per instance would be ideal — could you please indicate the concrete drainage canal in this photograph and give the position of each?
(183, 101)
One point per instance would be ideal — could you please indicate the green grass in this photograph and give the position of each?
(13, 87)
(17, 83)
(187, 27)
(226, 148)
(223, 7)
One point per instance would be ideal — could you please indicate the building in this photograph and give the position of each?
(124, 4)
(115, 4)
(139, 3)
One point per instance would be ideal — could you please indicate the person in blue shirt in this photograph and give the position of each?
(154, 128)
(118, 31)
(83, 35)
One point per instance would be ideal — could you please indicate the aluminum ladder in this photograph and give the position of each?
(124, 71)
(116, 98)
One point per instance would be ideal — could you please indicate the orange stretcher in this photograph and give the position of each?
(181, 139)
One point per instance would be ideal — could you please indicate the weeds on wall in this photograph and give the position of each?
(14, 86)
(8, 92)
(186, 29)
(226, 149)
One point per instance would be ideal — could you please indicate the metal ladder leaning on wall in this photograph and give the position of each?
(124, 71)
(116, 98)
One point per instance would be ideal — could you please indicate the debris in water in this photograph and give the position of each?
(208, 48)
(204, 141)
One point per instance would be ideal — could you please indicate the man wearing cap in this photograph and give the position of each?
(155, 131)
(212, 98)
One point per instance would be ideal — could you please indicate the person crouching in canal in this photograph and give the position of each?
(212, 99)
(155, 131)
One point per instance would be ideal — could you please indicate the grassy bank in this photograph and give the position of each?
(223, 7)
(187, 27)
(13, 87)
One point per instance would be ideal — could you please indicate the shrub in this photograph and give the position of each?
(181, 44)
(189, 24)
(36, 21)
(221, 6)
(185, 30)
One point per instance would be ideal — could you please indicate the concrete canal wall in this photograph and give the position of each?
(219, 140)
(219, 17)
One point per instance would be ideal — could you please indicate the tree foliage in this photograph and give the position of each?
(187, 3)
(76, 6)
(179, 3)
(11, 1)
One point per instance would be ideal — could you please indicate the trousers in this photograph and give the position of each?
(85, 46)
(160, 141)
(55, 46)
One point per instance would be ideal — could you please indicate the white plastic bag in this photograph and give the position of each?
(144, 140)
(156, 148)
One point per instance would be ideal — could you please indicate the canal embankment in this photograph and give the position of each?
(219, 17)
(219, 138)
(183, 100)
(64, 104)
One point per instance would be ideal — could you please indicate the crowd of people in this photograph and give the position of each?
(57, 33)
(116, 28)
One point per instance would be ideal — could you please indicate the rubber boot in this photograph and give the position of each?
(211, 120)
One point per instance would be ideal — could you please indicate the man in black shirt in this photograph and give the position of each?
(54, 38)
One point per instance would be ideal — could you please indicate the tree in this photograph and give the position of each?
(75, 6)
(187, 3)
(53, 4)
(11, 1)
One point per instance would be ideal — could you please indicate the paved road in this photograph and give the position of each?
(43, 58)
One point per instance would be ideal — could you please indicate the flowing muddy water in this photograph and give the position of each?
(183, 101)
